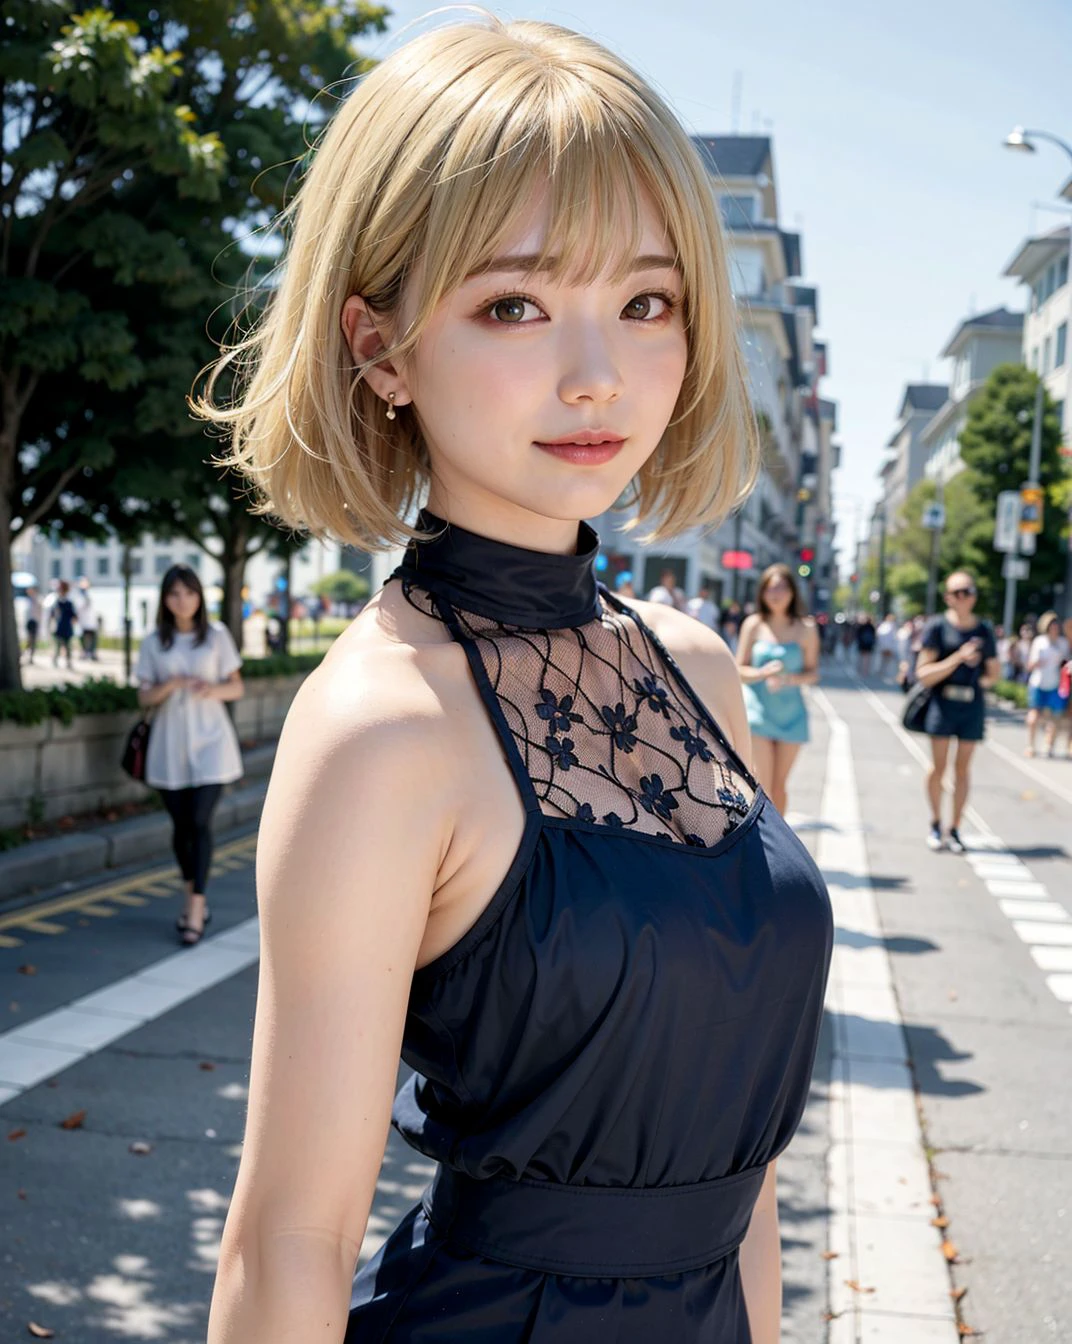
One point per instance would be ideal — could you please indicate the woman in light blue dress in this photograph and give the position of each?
(778, 652)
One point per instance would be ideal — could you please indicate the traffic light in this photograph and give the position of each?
(854, 578)
(804, 571)
(807, 554)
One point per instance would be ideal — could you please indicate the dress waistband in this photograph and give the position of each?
(594, 1231)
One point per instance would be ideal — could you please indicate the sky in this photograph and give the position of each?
(887, 124)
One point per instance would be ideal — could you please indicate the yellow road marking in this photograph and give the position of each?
(101, 911)
(9, 942)
(125, 898)
(42, 926)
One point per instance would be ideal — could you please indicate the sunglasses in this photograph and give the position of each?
(960, 592)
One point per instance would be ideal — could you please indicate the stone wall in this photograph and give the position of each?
(54, 770)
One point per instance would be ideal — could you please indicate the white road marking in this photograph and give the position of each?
(1038, 934)
(53, 1042)
(1031, 771)
(1052, 958)
(1051, 910)
(878, 1181)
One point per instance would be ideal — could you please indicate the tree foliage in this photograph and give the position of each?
(143, 143)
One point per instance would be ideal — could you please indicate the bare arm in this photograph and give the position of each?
(746, 671)
(354, 828)
(761, 1265)
(232, 688)
(810, 650)
(148, 696)
(932, 672)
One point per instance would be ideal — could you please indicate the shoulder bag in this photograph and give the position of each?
(137, 748)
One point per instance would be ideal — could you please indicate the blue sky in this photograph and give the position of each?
(887, 123)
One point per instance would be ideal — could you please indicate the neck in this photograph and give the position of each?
(502, 521)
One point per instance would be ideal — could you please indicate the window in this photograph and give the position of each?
(737, 211)
(1062, 271)
(1047, 351)
(55, 569)
(103, 567)
(161, 564)
(193, 559)
(1062, 345)
(1032, 363)
(1050, 281)
(79, 567)
(135, 563)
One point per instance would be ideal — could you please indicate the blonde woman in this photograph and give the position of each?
(512, 831)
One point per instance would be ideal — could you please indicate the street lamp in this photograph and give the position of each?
(1023, 140)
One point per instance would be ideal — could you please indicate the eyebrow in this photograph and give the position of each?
(532, 261)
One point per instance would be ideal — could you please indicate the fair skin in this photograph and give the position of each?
(366, 792)
(184, 603)
(774, 759)
(960, 612)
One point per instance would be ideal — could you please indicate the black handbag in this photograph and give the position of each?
(137, 748)
(914, 713)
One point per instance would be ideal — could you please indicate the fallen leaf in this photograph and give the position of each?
(949, 1251)
(957, 1293)
(857, 1288)
(207, 1065)
(943, 1221)
(830, 1255)
(965, 1331)
(16, 1134)
(140, 1148)
(40, 1331)
(73, 1121)
(27, 969)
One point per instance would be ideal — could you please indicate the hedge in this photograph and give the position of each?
(1014, 691)
(98, 695)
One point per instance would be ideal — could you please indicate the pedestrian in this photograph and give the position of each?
(702, 608)
(1049, 653)
(886, 643)
(667, 592)
(865, 642)
(778, 653)
(63, 617)
(35, 615)
(506, 826)
(1020, 652)
(188, 667)
(1064, 723)
(623, 584)
(88, 620)
(958, 661)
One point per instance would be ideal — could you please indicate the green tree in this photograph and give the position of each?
(143, 144)
(342, 586)
(964, 541)
(995, 443)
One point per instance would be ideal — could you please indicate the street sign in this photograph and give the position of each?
(736, 559)
(1007, 521)
(1012, 567)
(934, 517)
(1031, 509)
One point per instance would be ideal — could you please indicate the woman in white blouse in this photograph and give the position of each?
(187, 667)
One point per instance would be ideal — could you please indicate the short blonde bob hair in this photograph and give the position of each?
(432, 162)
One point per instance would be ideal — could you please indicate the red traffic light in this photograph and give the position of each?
(807, 554)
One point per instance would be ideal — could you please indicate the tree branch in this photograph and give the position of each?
(47, 500)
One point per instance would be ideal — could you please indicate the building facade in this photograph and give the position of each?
(980, 343)
(1042, 264)
(905, 467)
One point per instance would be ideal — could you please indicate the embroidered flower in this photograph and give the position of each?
(694, 744)
(558, 713)
(656, 695)
(560, 749)
(733, 799)
(654, 799)
(585, 813)
(696, 841)
(621, 725)
(613, 820)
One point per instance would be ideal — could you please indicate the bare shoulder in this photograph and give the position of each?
(707, 663)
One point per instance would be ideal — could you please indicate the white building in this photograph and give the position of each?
(977, 347)
(919, 403)
(1042, 263)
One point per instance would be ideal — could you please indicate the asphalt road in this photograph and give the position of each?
(102, 1243)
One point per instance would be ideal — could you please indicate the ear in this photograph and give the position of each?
(365, 337)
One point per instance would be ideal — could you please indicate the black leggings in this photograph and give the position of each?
(191, 816)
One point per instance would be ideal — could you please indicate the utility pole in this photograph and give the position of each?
(882, 561)
(936, 544)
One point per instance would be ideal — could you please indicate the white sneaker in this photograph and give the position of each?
(934, 837)
(956, 844)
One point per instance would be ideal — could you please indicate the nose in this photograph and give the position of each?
(590, 371)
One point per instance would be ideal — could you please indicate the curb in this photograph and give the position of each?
(40, 865)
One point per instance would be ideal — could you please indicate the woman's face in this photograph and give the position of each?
(777, 595)
(512, 363)
(182, 602)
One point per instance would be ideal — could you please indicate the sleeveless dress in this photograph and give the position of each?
(779, 715)
(606, 1062)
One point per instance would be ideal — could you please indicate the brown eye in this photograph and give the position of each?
(645, 306)
(508, 310)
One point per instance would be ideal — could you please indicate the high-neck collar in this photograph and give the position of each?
(532, 589)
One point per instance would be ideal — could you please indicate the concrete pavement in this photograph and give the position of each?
(941, 1089)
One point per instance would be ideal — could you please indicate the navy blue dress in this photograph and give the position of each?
(606, 1062)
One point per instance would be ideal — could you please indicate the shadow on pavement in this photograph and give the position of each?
(906, 946)
(837, 877)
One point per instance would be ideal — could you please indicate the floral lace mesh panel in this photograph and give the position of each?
(604, 731)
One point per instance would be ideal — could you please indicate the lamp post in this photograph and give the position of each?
(1023, 140)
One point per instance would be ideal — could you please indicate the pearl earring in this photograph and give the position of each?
(392, 414)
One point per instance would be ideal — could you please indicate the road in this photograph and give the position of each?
(953, 1071)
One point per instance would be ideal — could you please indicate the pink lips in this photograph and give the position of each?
(586, 447)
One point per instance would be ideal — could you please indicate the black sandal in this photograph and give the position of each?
(182, 928)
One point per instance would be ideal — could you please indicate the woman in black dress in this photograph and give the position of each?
(512, 830)
(958, 658)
